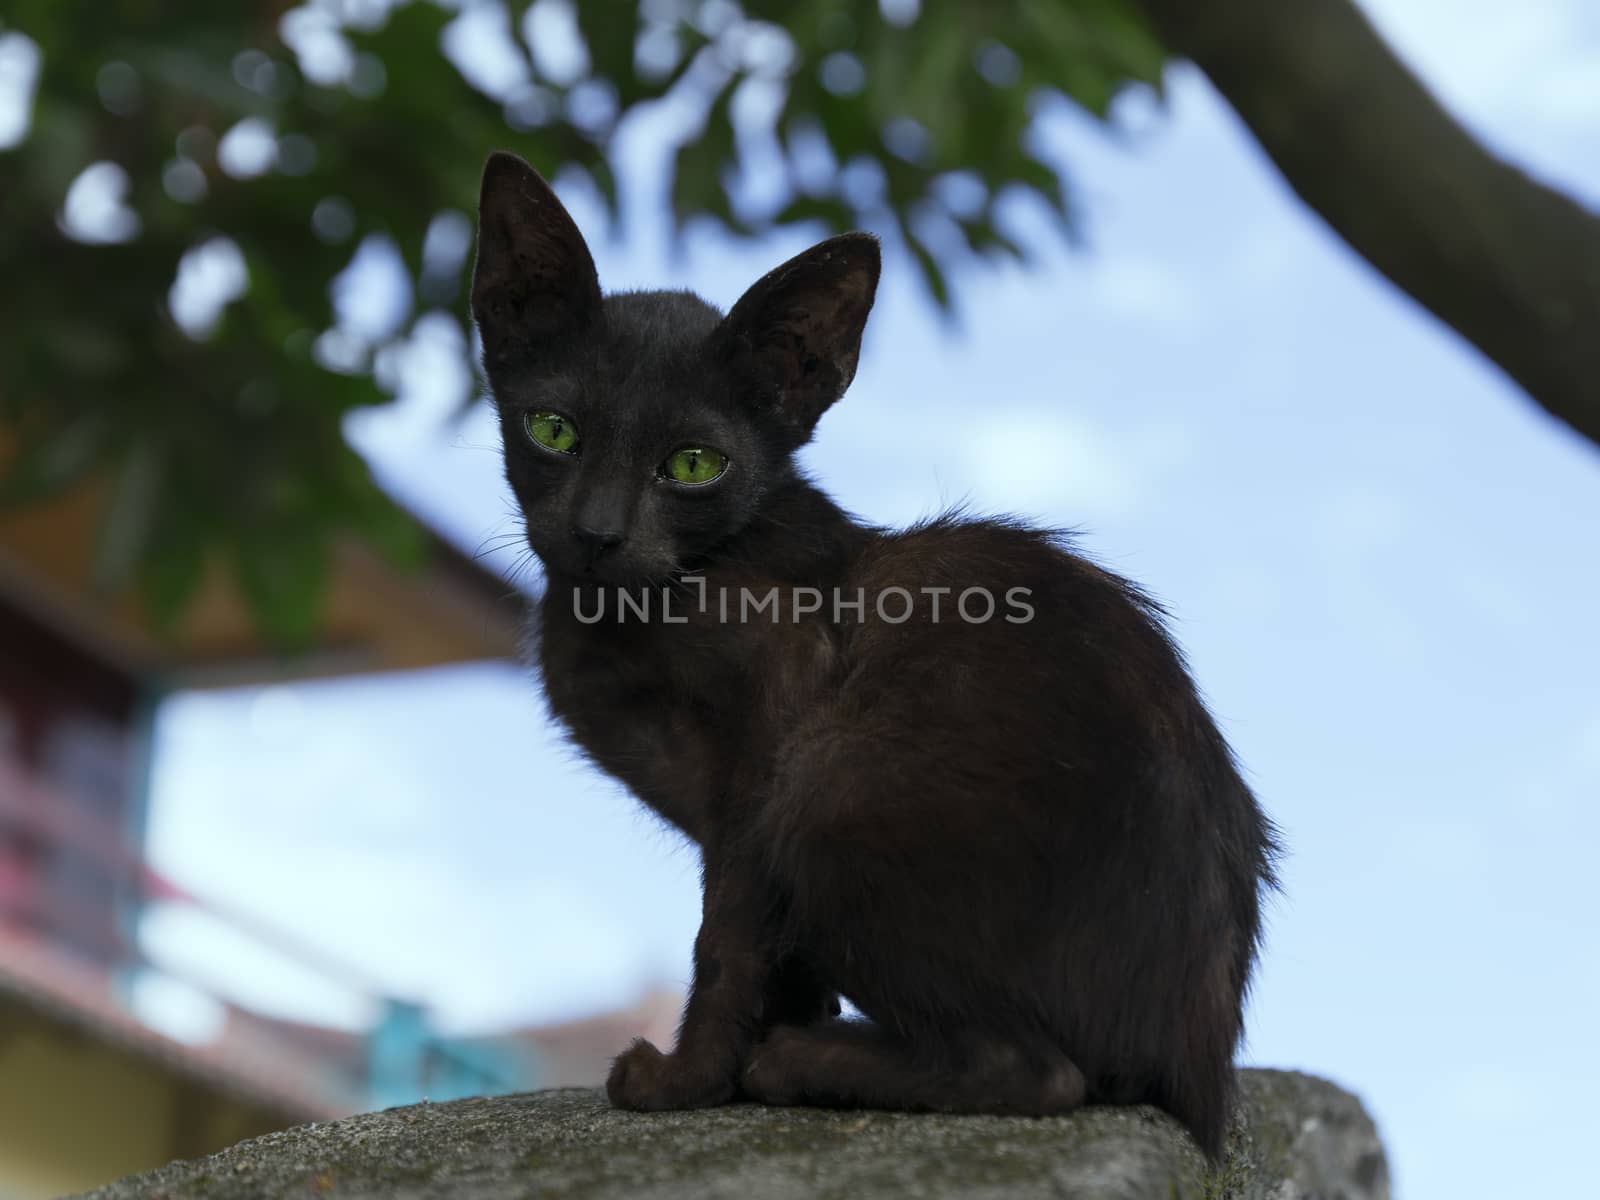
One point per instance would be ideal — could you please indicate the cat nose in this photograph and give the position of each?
(597, 540)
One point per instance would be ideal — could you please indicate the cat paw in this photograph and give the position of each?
(768, 1077)
(645, 1080)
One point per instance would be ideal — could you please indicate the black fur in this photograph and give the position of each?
(1019, 846)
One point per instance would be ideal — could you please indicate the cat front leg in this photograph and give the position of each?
(733, 969)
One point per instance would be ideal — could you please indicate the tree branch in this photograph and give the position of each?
(1511, 264)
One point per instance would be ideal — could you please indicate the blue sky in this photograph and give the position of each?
(1381, 557)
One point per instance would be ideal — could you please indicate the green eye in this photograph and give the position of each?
(552, 431)
(694, 464)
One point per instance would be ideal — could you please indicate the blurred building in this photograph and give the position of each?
(88, 1091)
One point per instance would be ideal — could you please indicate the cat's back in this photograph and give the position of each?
(1014, 638)
(999, 582)
(960, 551)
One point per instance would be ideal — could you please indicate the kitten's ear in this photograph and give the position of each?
(799, 327)
(534, 282)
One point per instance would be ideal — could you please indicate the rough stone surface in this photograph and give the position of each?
(1294, 1138)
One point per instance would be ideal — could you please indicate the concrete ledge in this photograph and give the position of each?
(1294, 1138)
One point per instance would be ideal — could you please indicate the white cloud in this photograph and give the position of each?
(1475, 50)
(1360, 520)
(1482, 1093)
(575, 952)
(1496, 595)
(1589, 747)
(1060, 467)
(1567, 94)
(1147, 289)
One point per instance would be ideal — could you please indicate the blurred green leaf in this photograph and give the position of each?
(283, 581)
(169, 577)
(129, 516)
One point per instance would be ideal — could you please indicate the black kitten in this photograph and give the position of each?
(957, 774)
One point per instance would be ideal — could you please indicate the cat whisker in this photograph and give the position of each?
(499, 538)
(492, 545)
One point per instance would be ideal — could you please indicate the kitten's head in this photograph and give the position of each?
(643, 429)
